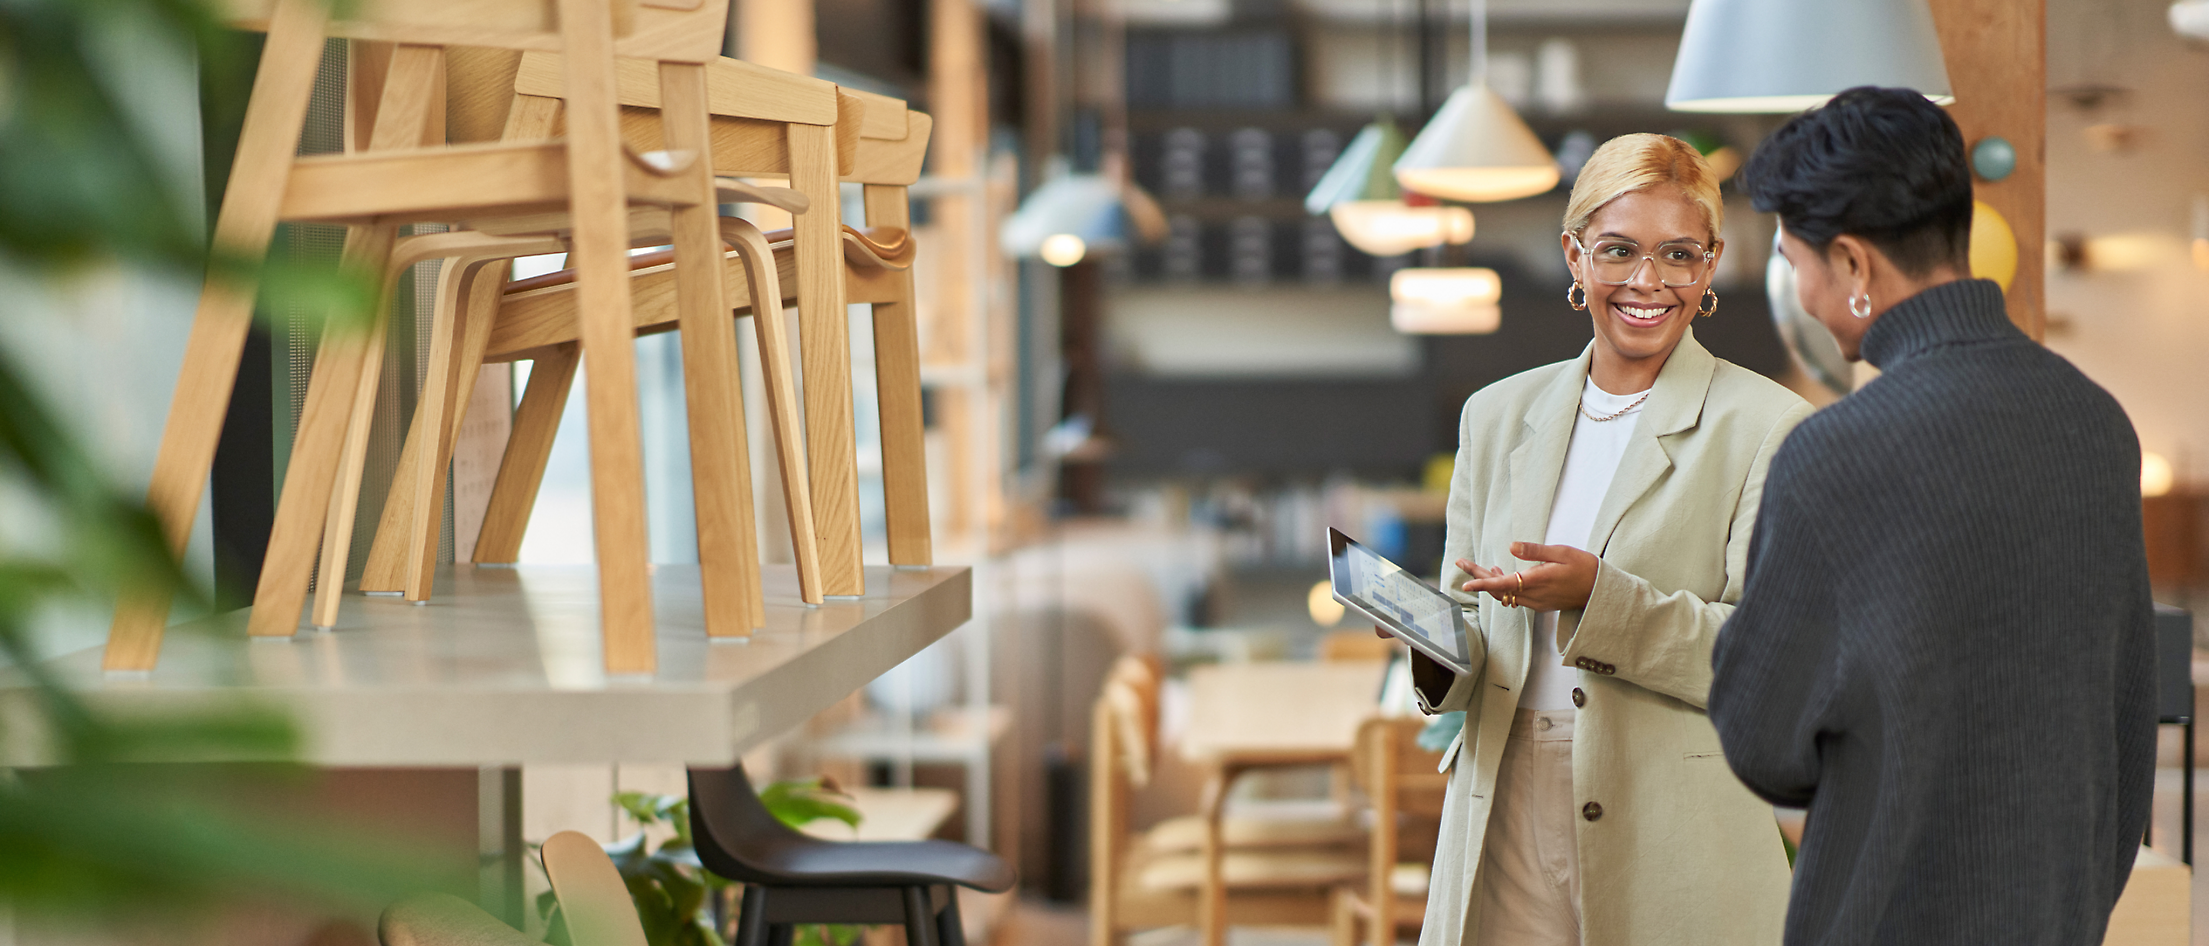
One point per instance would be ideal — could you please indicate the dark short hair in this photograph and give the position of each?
(1881, 164)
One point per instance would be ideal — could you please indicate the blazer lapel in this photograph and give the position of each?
(1675, 405)
(1536, 463)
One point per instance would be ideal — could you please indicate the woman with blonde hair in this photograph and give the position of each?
(1599, 521)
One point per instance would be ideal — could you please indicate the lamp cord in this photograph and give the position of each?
(1477, 74)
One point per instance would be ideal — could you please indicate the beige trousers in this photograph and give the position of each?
(1528, 891)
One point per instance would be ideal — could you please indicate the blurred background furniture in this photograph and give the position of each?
(1244, 717)
(1266, 871)
(793, 878)
(1403, 788)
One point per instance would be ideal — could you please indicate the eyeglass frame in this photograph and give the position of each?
(1710, 255)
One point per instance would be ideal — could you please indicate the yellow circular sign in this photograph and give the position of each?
(1993, 245)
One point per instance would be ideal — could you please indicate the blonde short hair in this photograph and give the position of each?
(1629, 163)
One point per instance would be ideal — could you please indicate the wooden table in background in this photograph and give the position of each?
(1256, 715)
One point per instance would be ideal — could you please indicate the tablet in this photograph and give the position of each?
(1398, 602)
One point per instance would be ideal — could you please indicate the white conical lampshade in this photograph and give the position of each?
(1784, 56)
(1476, 149)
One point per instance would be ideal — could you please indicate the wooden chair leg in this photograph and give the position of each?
(317, 449)
(825, 344)
(897, 384)
(337, 528)
(267, 144)
(598, 208)
(720, 465)
(454, 356)
(782, 397)
(528, 449)
(1342, 921)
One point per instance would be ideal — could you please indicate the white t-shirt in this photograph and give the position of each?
(1590, 462)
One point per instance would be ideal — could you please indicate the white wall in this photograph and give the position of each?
(2139, 326)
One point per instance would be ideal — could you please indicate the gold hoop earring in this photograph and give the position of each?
(1581, 305)
(1710, 304)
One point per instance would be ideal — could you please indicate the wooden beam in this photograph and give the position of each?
(1997, 55)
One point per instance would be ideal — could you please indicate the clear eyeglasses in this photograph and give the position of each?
(1614, 262)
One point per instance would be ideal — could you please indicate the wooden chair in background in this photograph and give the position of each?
(756, 119)
(398, 180)
(536, 317)
(1399, 780)
(1151, 879)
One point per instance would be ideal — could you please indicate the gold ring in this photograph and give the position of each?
(1521, 576)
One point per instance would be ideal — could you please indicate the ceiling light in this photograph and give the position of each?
(1360, 195)
(1476, 148)
(1392, 227)
(1068, 218)
(2190, 18)
(2156, 476)
(1781, 56)
(1454, 301)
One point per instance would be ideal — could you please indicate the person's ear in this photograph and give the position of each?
(1572, 251)
(1851, 259)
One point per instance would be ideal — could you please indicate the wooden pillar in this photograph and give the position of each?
(958, 100)
(1997, 55)
(777, 34)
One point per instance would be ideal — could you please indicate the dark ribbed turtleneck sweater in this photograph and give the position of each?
(1945, 648)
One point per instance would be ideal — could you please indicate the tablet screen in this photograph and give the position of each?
(1386, 591)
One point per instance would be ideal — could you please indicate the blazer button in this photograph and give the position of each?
(1583, 663)
(1607, 670)
(1591, 811)
(1579, 698)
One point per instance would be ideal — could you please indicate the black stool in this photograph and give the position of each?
(793, 878)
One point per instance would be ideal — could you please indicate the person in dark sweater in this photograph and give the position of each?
(1945, 647)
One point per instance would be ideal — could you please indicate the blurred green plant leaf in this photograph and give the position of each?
(798, 802)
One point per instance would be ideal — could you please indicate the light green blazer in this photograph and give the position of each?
(1682, 853)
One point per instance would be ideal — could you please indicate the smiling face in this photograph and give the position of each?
(1638, 324)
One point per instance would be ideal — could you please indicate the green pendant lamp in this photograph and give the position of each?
(1359, 194)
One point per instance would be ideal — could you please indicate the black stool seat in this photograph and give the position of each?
(794, 878)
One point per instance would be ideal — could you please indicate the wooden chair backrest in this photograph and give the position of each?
(893, 142)
(593, 900)
(1122, 735)
(1389, 766)
(669, 30)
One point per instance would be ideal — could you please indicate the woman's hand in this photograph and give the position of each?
(1562, 580)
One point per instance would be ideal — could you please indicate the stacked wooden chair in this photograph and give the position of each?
(760, 122)
(641, 139)
(1401, 782)
(1275, 874)
(405, 175)
(537, 319)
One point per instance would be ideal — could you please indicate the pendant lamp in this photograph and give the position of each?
(1476, 148)
(1445, 301)
(1069, 218)
(1360, 196)
(1781, 56)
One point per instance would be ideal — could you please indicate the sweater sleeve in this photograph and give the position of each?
(1663, 641)
(1775, 665)
(1440, 690)
(2135, 736)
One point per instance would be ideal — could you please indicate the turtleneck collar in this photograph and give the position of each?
(1960, 311)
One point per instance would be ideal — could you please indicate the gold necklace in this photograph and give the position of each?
(1621, 412)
